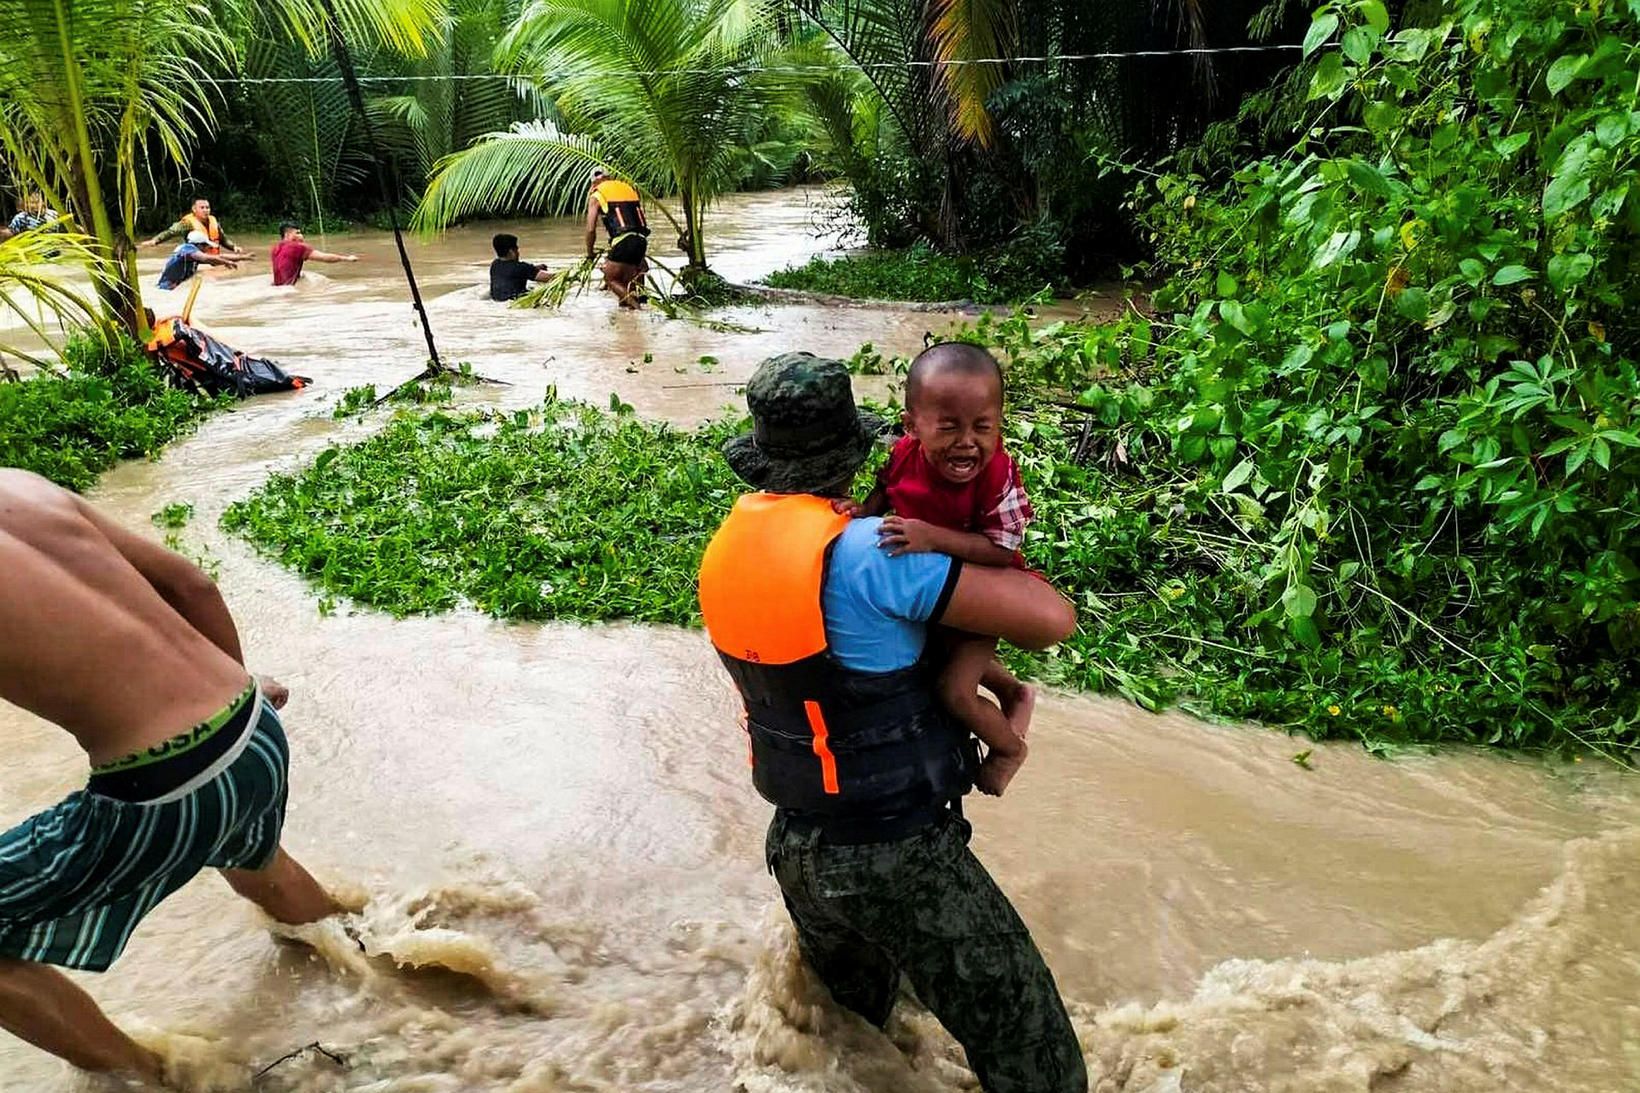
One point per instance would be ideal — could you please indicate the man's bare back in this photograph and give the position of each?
(92, 629)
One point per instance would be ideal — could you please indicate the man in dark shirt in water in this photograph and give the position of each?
(509, 277)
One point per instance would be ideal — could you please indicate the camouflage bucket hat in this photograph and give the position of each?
(807, 434)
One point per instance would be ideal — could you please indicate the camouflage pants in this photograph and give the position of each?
(925, 906)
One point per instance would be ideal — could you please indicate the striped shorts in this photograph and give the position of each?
(77, 879)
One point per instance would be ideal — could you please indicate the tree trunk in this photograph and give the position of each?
(694, 244)
(115, 283)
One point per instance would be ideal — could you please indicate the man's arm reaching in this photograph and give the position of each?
(326, 256)
(179, 228)
(179, 582)
(592, 225)
(1009, 604)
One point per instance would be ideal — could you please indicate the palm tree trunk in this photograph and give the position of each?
(692, 214)
(117, 293)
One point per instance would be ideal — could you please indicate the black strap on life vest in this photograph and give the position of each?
(625, 218)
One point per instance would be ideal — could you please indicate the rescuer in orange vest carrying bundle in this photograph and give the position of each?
(824, 635)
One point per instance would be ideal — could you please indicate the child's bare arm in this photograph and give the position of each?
(875, 504)
(903, 535)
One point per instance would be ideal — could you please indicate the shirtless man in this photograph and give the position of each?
(131, 649)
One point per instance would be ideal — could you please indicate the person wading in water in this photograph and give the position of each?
(131, 649)
(292, 251)
(617, 205)
(199, 219)
(823, 634)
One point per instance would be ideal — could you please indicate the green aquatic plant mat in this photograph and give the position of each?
(564, 511)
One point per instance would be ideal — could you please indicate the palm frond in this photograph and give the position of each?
(966, 35)
(31, 289)
(531, 169)
(404, 26)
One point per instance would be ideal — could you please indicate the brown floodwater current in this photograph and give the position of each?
(557, 849)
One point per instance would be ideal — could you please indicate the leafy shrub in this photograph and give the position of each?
(1377, 470)
(112, 404)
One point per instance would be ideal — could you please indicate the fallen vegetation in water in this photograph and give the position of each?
(112, 403)
(917, 274)
(565, 511)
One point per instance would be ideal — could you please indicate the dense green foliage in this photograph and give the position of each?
(111, 405)
(1377, 470)
(297, 148)
(565, 512)
(917, 273)
(970, 157)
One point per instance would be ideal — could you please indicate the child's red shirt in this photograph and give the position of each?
(992, 503)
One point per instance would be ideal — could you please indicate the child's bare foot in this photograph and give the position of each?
(1019, 707)
(998, 769)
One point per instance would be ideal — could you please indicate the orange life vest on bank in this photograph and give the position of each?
(212, 230)
(825, 740)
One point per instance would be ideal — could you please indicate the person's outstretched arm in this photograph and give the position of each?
(180, 583)
(1009, 604)
(592, 224)
(217, 260)
(167, 235)
(326, 256)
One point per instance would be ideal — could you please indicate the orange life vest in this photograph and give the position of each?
(212, 230)
(825, 740)
(621, 209)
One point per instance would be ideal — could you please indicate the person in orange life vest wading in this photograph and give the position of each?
(618, 206)
(823, 634)
(199, 219)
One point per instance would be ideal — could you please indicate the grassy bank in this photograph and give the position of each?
(111, 404)
(920, 274)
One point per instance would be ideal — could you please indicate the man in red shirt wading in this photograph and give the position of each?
(292, 250)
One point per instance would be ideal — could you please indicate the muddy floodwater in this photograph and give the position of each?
(558, 849)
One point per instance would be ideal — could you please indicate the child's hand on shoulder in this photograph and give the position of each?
(847, 506)
(905, 535)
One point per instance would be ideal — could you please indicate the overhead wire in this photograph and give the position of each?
(783, 70)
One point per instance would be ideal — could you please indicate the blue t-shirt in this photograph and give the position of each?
(878, 607)
(180, 266)
(26, 221)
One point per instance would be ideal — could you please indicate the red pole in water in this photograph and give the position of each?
(390, 192)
